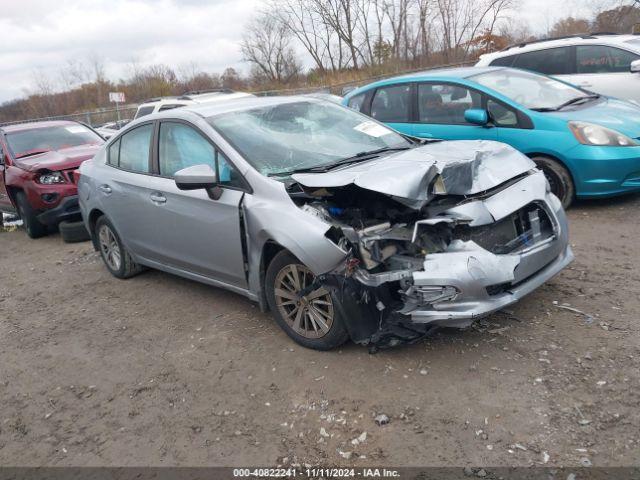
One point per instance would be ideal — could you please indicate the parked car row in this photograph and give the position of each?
(588, 145)
(418, 206)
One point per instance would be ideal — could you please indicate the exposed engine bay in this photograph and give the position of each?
(409, 255)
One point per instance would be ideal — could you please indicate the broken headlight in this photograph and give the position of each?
(51, 178)
(591, 134)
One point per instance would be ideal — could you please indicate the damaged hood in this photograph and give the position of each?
(62, 159)
(466, 167)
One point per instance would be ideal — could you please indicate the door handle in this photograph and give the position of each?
(586, 84)
(105, 189)
(158, 198)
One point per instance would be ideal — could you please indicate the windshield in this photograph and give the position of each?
(297, 135)
(39, 140)
(529, 89)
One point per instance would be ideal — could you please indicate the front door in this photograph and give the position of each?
(440, 111)
(606, 70)
(191, 231)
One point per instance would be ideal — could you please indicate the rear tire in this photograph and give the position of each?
(72, 232)
(311, 321)
(559, 178)
(32, 225)
(115, 256)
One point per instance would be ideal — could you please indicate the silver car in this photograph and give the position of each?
(340, 226)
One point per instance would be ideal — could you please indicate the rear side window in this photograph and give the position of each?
(602, 59)
(114, 154)
(503, 61)
(551, 61)
(134, 149)
(391, 104)
(357, 102)
(142, 111)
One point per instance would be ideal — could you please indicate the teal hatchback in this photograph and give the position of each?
(588, 145)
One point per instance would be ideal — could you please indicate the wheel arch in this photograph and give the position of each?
(532, 155)
(270, 249)
(94, 215)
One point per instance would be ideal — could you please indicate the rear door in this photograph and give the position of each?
(392, 105)
(606, 70)
(557, 61)
(440, 112)
(125, 190)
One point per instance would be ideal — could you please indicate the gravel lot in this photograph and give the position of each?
(157, 370)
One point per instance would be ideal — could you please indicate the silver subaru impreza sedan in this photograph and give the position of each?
(339, 226)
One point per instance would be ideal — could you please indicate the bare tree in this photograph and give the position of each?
(266, 45)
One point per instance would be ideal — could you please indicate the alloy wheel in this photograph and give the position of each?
(110, 248)
(311, 315)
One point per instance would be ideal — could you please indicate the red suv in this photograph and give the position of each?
(37, 171)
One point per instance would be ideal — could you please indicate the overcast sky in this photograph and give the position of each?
(38, 37)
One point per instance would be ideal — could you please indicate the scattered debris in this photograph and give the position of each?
(588, 318)
(360, 439)
(382, 419)
(585, 462)
(345, 455)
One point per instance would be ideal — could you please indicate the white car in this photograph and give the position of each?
(607, 64)
(160, 104)
(108, 130)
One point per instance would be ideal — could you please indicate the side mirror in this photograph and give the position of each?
(635, 66)
(198, 177)
(477, 116)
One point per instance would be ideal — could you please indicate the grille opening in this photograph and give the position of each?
(522, 229)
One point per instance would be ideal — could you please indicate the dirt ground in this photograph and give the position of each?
(157, 370)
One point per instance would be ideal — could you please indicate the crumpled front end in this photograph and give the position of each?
(444, 261)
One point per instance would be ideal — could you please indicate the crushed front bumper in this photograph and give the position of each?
(476, 298)
(474, 277)
(485, 281)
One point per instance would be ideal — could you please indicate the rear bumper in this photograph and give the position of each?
(67, 209)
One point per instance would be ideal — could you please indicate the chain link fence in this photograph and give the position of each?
(99, 117)
(93, 118)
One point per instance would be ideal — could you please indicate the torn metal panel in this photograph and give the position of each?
(398, 270)
(466, 167)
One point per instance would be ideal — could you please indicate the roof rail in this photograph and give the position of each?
(586, 36)
(209, 90)
(157, 99)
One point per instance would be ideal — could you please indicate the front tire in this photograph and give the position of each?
(312, 320)
(114, 255)
(559, 179)
(32, 225)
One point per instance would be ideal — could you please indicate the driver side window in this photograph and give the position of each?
(501, 115)
(181, 146)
